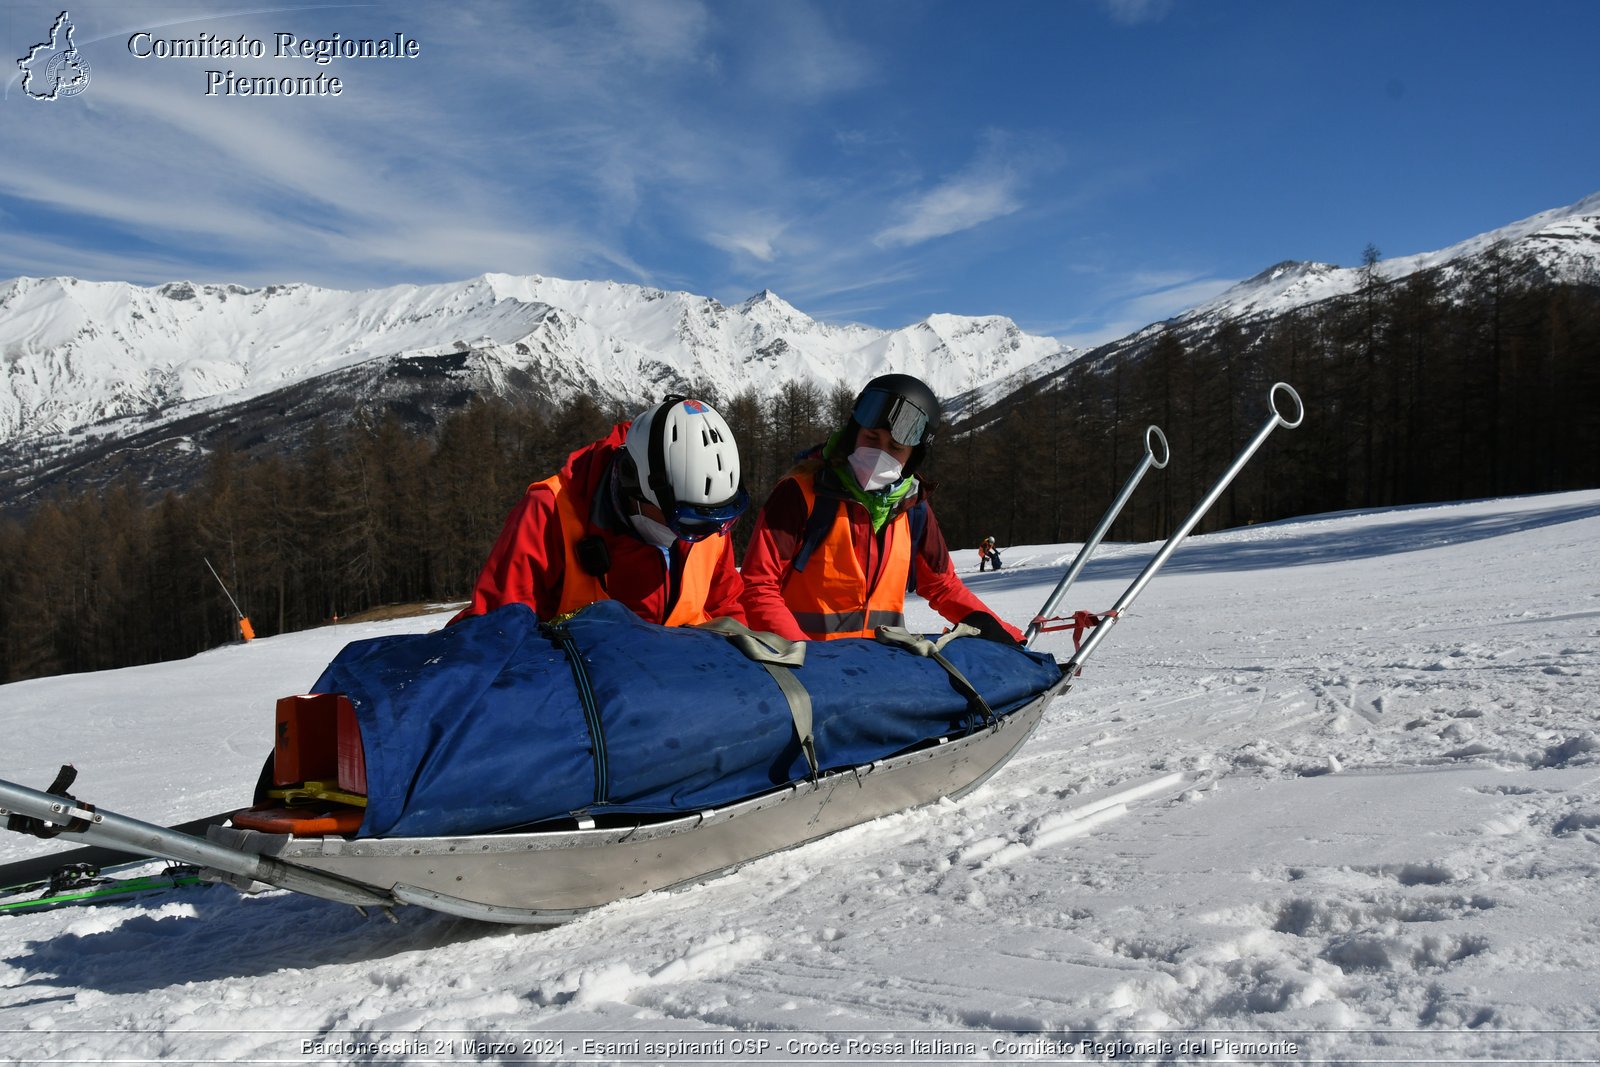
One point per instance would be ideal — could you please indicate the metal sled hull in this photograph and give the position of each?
(549, 877)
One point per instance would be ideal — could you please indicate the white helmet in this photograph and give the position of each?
(686, 462)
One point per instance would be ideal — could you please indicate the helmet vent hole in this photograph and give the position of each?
(708, 485)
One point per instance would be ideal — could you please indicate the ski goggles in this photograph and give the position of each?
(879, 409)
(696, 522)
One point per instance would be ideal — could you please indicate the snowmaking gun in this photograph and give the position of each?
(616, 811)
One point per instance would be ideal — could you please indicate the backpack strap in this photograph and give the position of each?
(918, 515)
(826, 509)
(593, 556)
(818, 523)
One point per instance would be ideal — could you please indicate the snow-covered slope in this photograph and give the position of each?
(1361, 819)
(77, 353)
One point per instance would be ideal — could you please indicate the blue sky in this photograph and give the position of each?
(1084, 167)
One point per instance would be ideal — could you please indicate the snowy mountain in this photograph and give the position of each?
(1559, 245)
(117, 357)
(103, 378)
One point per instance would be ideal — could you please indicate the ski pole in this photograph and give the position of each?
(1152, 434)
(1277, 418)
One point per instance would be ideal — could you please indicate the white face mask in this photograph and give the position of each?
(652, 531)
(874, 468)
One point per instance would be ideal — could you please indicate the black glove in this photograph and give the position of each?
(989, 628)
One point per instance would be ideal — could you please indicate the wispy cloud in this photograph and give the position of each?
(1125, 303)
(686, 143)
(884, 160)
(1170, 300)
(754, 237)
(957, 204)
(1136, 12)
(667, 31)
(991, 186)
(384, 180)
(587, 141)
(793, 51)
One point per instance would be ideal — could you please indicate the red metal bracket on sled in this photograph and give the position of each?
(1078, 622)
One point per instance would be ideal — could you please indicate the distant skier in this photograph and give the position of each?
(640, 516)
(846, 532)
(988, 554)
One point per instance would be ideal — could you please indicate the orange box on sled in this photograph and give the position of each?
(316, 739)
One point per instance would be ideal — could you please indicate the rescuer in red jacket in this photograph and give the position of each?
(846, 532)
(640, 516)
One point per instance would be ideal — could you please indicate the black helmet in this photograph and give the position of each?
(904, 406)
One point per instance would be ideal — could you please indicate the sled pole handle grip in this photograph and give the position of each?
(1152, 438)
(1276, 419)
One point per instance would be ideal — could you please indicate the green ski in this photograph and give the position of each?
(82, 883)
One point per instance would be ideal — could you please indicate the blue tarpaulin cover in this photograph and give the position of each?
(482, 725)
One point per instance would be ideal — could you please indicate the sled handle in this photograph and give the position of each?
(1152, 434)
(1286, 423)
(1277, 418)
(1152, 437)
(99, 826)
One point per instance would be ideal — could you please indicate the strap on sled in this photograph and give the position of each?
(591, 709)
(934, 650)
(780, 657)
(27, 824)
(1077, 622)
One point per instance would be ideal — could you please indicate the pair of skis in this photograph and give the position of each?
(91, 874)
(84, 883)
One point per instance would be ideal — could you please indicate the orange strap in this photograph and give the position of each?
(1078, 622)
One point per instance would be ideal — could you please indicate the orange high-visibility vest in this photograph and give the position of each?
(579, 588)
(830, 597)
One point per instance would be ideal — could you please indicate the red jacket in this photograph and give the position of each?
(778, 534)
(528, 562)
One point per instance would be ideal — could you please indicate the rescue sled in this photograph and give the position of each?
(515, 771)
